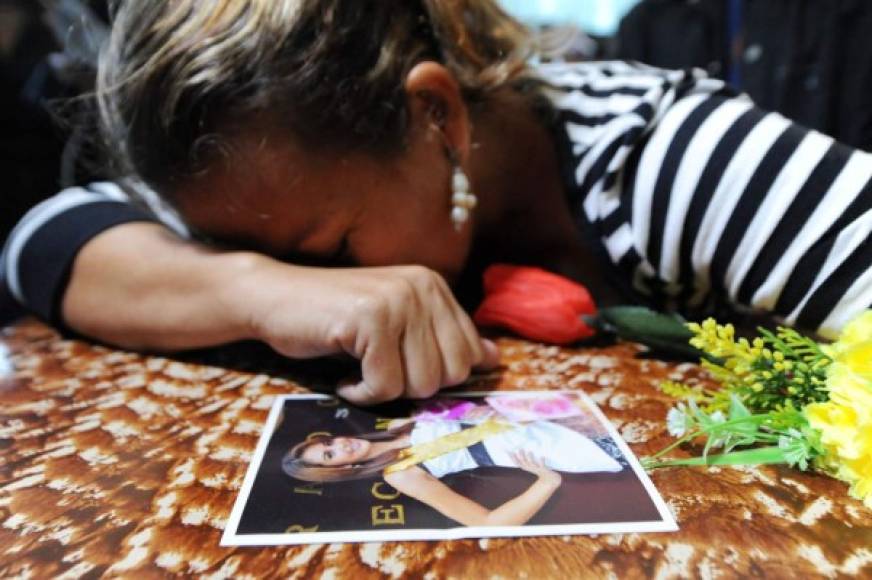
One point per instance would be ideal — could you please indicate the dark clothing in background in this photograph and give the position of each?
(810, 60)
(39, 74)
(675, 34)
(42, 64)
(30, 145)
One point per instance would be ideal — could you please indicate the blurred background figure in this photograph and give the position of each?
(47, 52)
(29, 147)
(810, 60)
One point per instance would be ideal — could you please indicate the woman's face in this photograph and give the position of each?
(274, 197)
(337, 452)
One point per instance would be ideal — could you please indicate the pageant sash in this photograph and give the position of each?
(446, 444)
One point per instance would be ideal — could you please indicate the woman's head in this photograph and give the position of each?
(337, 451)
(190, 89)
(327, 458)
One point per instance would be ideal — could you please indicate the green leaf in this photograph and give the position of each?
(797, 448)
(709, 443)
(681, 349)
(660, 332)
(738, 412)
(643, 321)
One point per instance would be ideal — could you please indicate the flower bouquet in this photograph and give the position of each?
(784, 398)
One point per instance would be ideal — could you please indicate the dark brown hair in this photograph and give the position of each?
(295, 466)
(177, 76)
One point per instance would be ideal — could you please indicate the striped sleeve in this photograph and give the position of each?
(705, 201)
(39, 253)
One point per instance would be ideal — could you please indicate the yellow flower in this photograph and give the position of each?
(719, 340)
(857, 331)
(847, 438)
(845, 421)
(854, 346)
(858, 358)
(848, 388)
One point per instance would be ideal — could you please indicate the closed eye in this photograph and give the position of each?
(341, 253)
(341, 257)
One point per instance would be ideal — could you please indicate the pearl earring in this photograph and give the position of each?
(462, 201)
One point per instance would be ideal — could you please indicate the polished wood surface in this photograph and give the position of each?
(114, 464)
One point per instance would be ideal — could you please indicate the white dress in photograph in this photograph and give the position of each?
(559, 448)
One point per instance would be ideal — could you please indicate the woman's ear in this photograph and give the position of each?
(436, 106)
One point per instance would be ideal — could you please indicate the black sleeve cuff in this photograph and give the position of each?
(47, 258)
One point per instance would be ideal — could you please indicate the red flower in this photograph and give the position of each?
(535, 304)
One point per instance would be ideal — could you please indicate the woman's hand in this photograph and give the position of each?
(533, 464)
(139, 286)
(401, 322)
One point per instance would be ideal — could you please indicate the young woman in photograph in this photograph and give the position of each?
(415, 454)
(314, 174)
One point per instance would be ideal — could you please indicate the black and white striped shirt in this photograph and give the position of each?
(700, 200)
(694, 197)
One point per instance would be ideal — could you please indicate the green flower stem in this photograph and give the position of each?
(772, 454)
(759, 456)
(754, 419)
(687, 438)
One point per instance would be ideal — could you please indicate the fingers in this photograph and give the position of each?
(532, 460)
(433, 346)
(422, 361)
(491, 358)
(481, 357)
(461, 346)
(383, 377)
(527, 461)
(454, 353)
(413, 338)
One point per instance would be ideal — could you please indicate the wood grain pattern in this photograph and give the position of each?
(115, 464)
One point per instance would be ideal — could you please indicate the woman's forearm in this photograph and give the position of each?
(519, 510)
(138, 285)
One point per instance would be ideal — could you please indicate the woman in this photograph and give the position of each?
(414, 455)
(402, 143)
